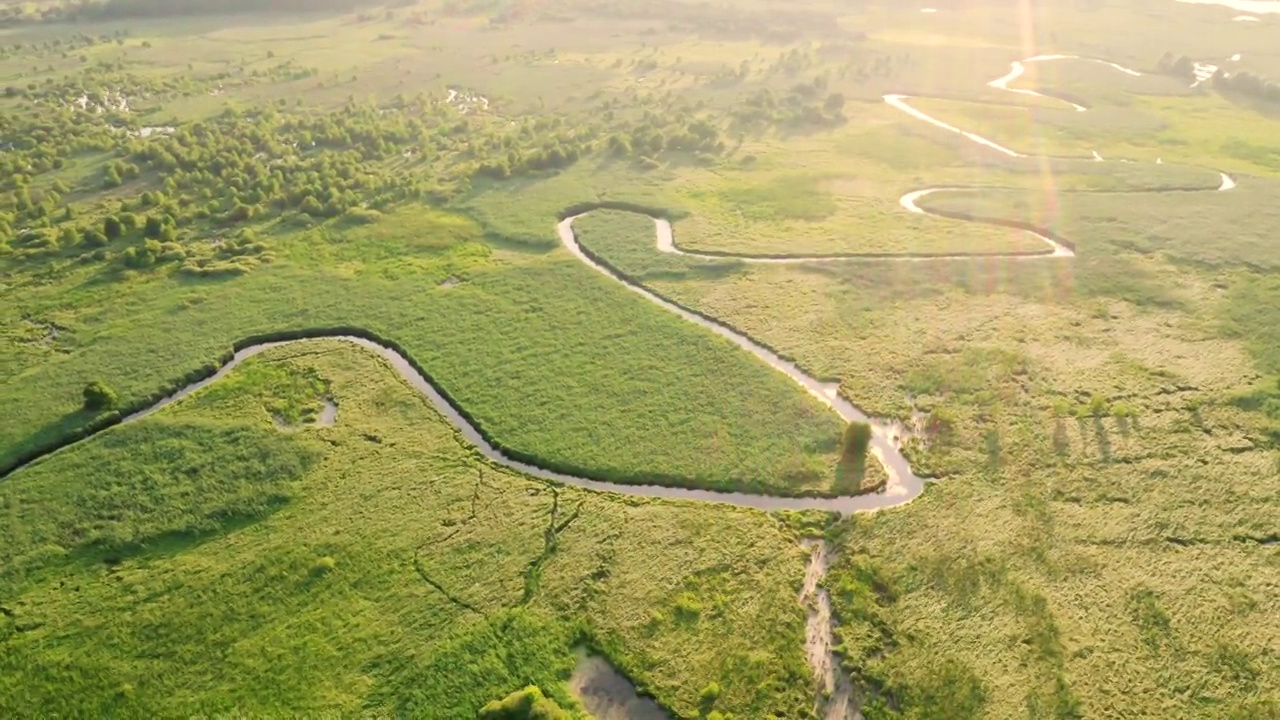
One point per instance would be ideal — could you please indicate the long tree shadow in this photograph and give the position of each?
(70, 428)
(1125, 426)
(704, 271)
(1061, 442)
(991, 441)
(851, 473)
(1103, 437)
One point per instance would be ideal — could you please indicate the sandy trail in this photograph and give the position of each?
(836, 699)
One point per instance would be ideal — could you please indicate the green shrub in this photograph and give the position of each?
(362, 216)
(324, 565)
(94, 237)
(688, 608)
(154, 226)
(141, 257)
(526, 704)
(98, 397)
(1098, 407)
(708, 697)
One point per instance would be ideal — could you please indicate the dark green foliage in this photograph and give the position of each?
(855, 442)
(68, 236)
(112, 227)
(154, 226)
(1246, 83)
(98, 397)
(111, 178)
(1182, 66)
(94, 238)
(145, 255)
(526, 704)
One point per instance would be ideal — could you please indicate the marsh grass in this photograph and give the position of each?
(338, 573)
(1062, 566)
(593, 398)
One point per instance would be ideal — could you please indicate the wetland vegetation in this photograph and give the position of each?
(1102, 427)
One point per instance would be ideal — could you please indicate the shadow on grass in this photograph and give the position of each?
(1061, 443)
(1103, 437)
(1125, 426)
(709, 271)
(991, 441)
(176, 542)
(74, 424)
(523, 246)
(91, 558)
(850, 475)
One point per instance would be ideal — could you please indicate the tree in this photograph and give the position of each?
(98, 397)
(312, 207)
(112, 227)
(112, 178)
(834, 104)
(526, 704)
(856, 441)
(154, 226)
(93, 237)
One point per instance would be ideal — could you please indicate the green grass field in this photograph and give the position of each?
(1104, 428)
(374, 566)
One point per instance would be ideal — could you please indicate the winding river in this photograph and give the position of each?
(903, 485)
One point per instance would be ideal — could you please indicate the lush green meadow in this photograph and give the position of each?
(1104, 428)
(550, 329)
(376, 566)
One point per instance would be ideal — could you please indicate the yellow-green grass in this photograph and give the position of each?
(1069, 562)
(549, 358)
(1198, 227)
(1117, 564)
(205, 561)
(1206, 131)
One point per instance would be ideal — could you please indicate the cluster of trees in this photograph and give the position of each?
(1096, 407)
(22, 13)
(1248, 84)
(64, 44)
(806, 105)
(550, 143)
(76, 10)
(1181, 66)
(240, 167)
(38, 143)
(775, 23)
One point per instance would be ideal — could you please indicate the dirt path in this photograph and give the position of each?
(836, 699)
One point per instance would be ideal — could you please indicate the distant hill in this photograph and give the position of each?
(170, 8)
